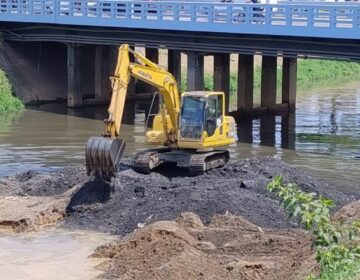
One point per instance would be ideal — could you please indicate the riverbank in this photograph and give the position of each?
(8, 102)
(236, 230)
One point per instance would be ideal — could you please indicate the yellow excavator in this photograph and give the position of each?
(187, 130)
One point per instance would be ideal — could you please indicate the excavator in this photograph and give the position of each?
(188, 130)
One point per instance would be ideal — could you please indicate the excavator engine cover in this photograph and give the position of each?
(103, 155)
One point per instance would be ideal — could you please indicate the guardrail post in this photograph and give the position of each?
(289, 77)
(222, 76)
(245, 87)
(174, 65)
(74, 94)
(195, 71)
(268, 82)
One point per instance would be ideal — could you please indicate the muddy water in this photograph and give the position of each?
(326, 140)
(52, 255)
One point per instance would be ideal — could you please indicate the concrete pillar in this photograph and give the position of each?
(195, 71)
(245, 87)
(222, 76)
(268, 81)
(244, 130)
(267, 130)
(102, 73)
(174, 65)
(153, 55)
(288, 133)
(74, 94)
(289, 77)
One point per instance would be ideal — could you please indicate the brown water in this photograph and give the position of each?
(52, 254)
(326, 142)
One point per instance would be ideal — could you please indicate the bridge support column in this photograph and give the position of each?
(153, 55)
(222, 76)
(267, 130)
(102, 73)
(174, 65)
(289, 77)
(195, 71)
(245, 86)
(268, 82)
(74, 94)
(288, 134)
(244, 130)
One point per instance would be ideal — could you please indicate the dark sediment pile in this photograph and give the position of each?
(132, 200)
(37, 184)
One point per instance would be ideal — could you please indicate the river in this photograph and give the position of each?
(325, 142)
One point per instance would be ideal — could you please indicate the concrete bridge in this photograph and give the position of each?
(66, 49)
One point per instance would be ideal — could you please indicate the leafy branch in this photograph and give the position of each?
(336, 245)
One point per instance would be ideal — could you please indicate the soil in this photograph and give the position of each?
(30, 200)
(132, 199)
(228, 248)
(220, 225)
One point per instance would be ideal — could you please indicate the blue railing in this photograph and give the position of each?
(326, 20)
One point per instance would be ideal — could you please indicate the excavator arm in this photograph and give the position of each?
(148, 72)
(103, 154)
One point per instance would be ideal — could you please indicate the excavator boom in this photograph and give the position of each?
(103, 154)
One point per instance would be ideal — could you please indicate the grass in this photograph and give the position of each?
(8, 102)
(311, 73)
(351, 273)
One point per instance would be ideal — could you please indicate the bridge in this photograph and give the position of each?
(68, 42)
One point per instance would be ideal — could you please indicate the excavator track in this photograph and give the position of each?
(201, 162)
(145, 161)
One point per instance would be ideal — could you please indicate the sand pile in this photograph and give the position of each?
(228, 248)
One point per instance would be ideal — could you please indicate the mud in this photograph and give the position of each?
(133, 200)
(228, 248)
(29, 200)
(220, 225)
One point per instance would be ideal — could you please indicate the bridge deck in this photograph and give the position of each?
(322, 20)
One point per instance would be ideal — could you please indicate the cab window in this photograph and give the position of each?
(214, 114)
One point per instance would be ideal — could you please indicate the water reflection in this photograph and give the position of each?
(323, 136)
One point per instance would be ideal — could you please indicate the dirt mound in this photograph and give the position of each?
(29, 213)
(38, 184)
(30, 200)
(349, 213)
(229, 248)
(134, 199)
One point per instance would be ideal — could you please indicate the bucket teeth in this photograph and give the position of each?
(103, 156)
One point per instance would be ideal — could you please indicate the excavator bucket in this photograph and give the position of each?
(103, 156)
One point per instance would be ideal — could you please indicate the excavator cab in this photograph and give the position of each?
(187, 130)
(200, 112)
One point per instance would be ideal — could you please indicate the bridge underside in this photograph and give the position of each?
(51, 62)
(187, 41)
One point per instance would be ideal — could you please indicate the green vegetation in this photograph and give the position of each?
(336, 245)
(8, 103)
(311, 73)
